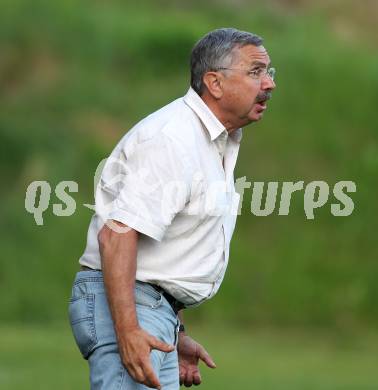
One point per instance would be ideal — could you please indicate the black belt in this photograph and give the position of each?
(175, 304)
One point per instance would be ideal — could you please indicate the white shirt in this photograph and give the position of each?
(171, 179)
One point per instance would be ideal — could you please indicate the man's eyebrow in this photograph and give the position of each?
(259, 63)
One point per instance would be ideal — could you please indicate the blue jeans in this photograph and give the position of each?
(93, 330)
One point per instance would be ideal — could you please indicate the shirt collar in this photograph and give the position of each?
(207, 117)
(237, 135)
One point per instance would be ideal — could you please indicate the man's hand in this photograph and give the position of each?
(189, 353)
(135, 347)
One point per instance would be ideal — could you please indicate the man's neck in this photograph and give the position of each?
(214, 108)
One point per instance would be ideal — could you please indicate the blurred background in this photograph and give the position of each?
(298, 306)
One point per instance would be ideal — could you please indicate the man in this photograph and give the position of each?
(165, 213)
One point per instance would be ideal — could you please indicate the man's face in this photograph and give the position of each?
(245, 96)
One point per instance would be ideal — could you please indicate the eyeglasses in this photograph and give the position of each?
(256, 74)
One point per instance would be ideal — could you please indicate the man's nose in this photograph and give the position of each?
(267, 83)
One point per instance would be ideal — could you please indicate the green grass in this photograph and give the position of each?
(46, 358)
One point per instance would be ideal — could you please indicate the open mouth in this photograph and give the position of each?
(261, 101)
(261, 105)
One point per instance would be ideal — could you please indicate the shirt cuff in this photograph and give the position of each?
(137, 223)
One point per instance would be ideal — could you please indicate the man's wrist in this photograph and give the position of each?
(126, 324)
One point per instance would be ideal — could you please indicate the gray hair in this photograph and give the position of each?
(214, 51)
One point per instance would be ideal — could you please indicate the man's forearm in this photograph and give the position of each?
(118, 258)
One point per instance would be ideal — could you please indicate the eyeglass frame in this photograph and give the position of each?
(271, 72)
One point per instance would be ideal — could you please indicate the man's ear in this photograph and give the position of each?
(214, 84)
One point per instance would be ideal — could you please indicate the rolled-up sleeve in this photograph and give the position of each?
(146, 185)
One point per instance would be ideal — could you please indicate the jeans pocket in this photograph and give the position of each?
(82, 319)
(146, 295)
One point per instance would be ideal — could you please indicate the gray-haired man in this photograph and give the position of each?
(165, 213)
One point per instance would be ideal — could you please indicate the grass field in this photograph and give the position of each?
(46, 358)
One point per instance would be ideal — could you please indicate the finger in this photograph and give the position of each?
(188, 381)
(197, 378)
(160, 345)
(132, 368)
(204, 356)
(182, 375)
(151, 379)
(136, 373)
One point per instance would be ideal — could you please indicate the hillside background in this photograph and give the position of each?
(75, 76)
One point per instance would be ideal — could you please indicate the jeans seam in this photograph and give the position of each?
(122, 377)
(89, 279)
(81, 320)
(92, 325)
(86, 347)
